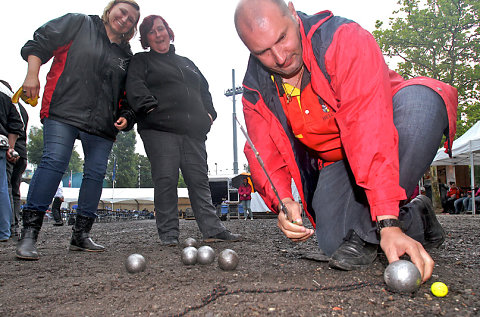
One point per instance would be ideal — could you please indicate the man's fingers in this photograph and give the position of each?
(392, 256)
(292, 231)
(428, 265)
(417, 259)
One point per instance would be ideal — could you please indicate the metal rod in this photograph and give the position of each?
(260, 161)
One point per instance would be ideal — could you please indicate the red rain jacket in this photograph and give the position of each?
(349, 73)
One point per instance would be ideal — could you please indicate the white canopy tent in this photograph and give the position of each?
(128, 196)
(463, 153)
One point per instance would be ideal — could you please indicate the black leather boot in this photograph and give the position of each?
(32, 223)
(80, 239)
(353, 253)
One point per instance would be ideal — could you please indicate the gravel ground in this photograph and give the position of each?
(275, 276)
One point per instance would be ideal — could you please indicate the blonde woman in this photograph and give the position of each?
(81, 100)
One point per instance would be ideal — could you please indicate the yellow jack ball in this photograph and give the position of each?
(439, 289)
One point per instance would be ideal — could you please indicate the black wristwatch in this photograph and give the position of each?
(388, 223)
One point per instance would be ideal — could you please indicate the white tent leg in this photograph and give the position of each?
(472, 178)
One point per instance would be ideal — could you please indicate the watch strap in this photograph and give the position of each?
(388, 223)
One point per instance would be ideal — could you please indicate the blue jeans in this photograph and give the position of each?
(58, 141)
(5, 207)
(340, 205)
(468, 203)
(246, 208)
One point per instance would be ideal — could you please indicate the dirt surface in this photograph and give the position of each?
(275, 277)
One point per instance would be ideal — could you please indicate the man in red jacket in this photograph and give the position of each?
(323, 109)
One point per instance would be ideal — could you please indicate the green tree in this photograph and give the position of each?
(438, 39)
(144, 167)
(35, 145)
(181, 181)
(126, 172)
(35, 149)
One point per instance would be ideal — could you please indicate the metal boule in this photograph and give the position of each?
(206, 255)
(189, 255)
(190, 242)
(135, 263)
(228, 260)
(402, 276)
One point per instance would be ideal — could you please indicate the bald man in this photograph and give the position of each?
(323, 109)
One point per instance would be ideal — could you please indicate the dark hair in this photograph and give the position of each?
(147, 25)
(6, 84)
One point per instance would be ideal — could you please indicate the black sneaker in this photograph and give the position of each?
(353, 253)
(224, 236)
(434, 234)
(170, 242)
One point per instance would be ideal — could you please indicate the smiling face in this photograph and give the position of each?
(158, 38)
(273, 37)
(121, 19)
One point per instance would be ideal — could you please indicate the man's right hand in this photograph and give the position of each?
(292, 226)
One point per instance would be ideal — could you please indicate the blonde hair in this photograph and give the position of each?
(130, 34)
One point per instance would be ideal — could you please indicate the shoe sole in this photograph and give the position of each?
(170, 245)
(210, 240)
(75, 248)
(21, 257)
(339, 265)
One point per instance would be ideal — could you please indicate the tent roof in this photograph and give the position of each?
(109, 195)
(461, 149)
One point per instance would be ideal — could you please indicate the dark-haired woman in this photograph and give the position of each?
(174, 113)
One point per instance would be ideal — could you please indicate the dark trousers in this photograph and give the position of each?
(340, 205)
(14, 176)
(56, 212)
(168, 153)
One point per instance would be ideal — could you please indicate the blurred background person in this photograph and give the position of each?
(11, 127)
(16, 169)
(245, 195)
(56, 206)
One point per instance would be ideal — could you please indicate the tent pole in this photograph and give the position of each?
(472, 178)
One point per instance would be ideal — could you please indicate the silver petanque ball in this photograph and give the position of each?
(190, 242)
(402, 276)
(228, 260)
(189, 255)
(206, 255)
(135, 263)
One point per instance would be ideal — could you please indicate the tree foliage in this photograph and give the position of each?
(145, 171)
(123, 154)
(35, 149)
(439, 39)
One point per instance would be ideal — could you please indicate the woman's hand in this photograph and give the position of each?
(31, 85)
(292, 226)
(121, 123)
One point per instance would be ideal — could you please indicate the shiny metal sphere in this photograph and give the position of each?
(402, 276)
(206, 255)
(190, 242)
(135, 263)
(189, 255)
(228, 260)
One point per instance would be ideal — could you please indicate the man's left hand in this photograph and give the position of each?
(395, 243)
